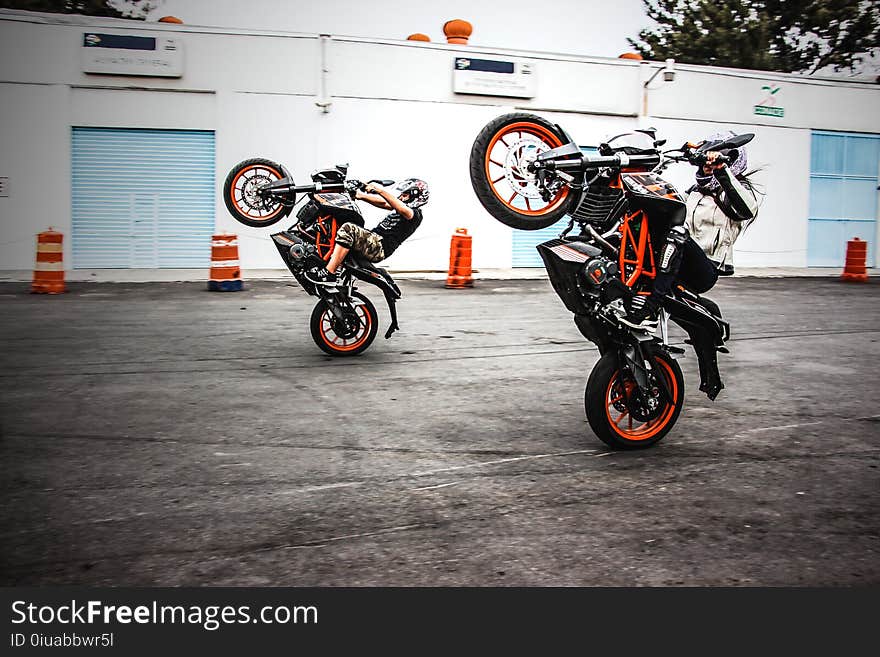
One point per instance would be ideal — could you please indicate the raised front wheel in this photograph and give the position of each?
(500, 177)
(625, 417)
(244, 196)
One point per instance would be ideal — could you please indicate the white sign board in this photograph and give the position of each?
(124, 54)
(492, 77)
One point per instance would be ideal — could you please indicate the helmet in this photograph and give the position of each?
(632, 143)
(413, 192)
(739, 159)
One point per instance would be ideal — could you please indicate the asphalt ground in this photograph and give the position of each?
(163, 435)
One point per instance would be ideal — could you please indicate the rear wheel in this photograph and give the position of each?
(349, 337)
(621, 415)
(241, 192)
(499, 171)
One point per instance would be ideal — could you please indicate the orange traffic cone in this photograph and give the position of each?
(49, 268)
(225, 275)
(856, 258)
(460, 274)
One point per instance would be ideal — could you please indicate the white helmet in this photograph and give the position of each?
(412, 192)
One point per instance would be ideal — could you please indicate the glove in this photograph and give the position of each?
(352, 186)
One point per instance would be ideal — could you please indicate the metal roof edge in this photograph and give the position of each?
(79, 20)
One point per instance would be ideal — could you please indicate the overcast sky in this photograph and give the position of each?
(580, 27)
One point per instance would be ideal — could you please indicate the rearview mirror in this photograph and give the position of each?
(731, 142)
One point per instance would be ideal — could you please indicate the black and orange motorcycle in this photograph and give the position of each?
(529, 173)
(260, 193)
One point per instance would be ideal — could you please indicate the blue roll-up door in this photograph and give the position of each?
(142, 198)
(843, 195)
(524, 241)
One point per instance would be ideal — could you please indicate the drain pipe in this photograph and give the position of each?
(323, 100)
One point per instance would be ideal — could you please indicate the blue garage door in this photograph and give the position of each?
(142, 198)
(843, 195)
(524, 241)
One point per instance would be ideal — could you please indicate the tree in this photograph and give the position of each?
(135, 9)
(770, 35)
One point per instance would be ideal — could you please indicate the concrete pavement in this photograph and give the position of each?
(160, 434)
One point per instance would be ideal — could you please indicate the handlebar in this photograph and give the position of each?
(585, 163)
(284, 187)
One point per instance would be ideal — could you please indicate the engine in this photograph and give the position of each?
(297, 254)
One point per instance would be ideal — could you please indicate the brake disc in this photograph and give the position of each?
(642, 407)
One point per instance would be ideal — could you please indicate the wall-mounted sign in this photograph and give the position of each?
(492, 77)
(124, 54)
(769, 105)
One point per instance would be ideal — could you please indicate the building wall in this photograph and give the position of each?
(393, 114)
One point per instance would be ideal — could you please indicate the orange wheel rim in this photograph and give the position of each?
(622, 422)
(242, 192)
(506, 158)
(338, 343)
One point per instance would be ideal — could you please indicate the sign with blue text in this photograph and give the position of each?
(125, 54)
(492, 77)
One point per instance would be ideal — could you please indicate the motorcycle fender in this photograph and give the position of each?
(706, 334)
(374, 278)
(390, 291)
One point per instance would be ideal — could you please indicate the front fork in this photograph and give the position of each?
(339, 301)
(637, 358)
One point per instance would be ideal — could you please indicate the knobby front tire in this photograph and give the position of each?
(501, 181)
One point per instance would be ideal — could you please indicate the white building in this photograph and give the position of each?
(125, 149)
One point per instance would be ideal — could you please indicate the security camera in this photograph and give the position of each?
(669, 70)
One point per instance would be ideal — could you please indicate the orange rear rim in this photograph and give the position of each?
(623, 423)
(337, 343)
(242, 192)
(506, 157)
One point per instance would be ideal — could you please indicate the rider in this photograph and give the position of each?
(698, 246)
(405, 200)
(721, 205)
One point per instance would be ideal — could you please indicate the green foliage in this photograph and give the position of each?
(770, 35)
(136, 9)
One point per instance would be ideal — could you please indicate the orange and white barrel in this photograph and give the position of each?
(49, 268)
(460, 272)
(225, 274)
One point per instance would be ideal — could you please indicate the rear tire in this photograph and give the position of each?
(610, 418)
(330, 342)
(239, 193)
(507, 191)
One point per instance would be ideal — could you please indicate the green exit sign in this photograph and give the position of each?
(763, 110)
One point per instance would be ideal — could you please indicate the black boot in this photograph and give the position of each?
(320, 276)
(642, 313)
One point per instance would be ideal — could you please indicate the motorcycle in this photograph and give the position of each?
(528, 173)
(260, 193)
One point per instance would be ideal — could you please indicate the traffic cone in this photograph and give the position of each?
(460, 274)
(225, 274)
(855, 269)
(49, 268)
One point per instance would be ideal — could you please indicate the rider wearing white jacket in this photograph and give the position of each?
(720, 206)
